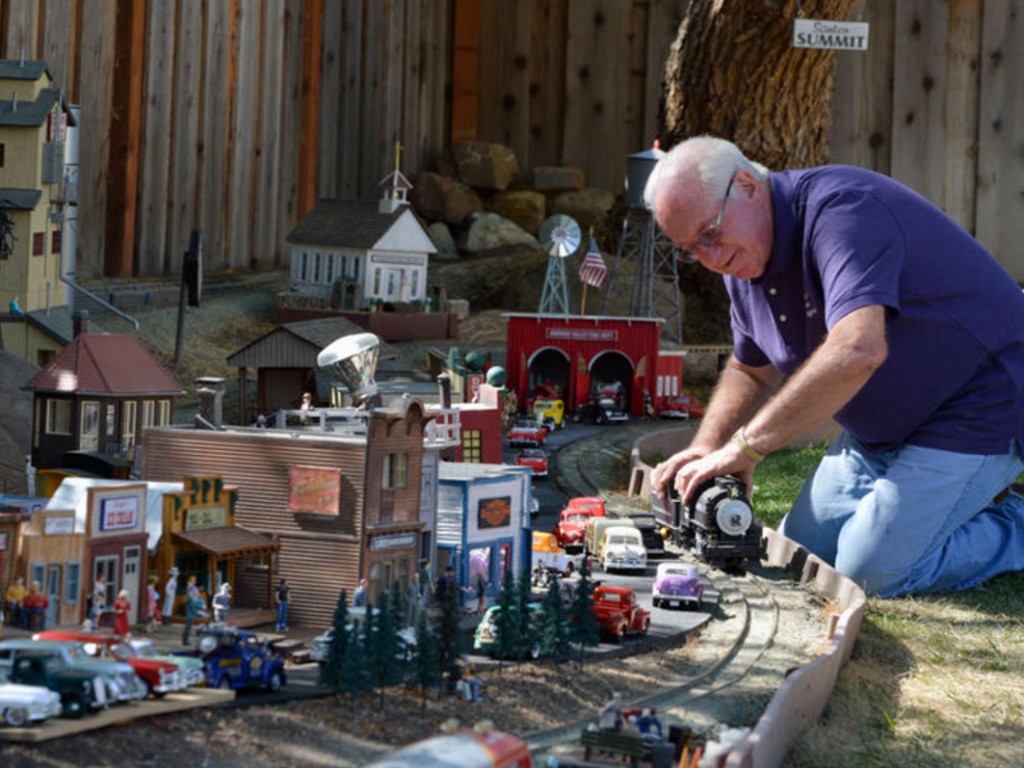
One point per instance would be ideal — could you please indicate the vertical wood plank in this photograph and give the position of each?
(97, 57)
(371, 127)
(218, 75)
(287, 203)
(434, 91)
(155, 147)
(312, 35)
(465, 70)
(663, 19)
(1000, 227)
(331, 74)
(504, 100)
(19, 33)
(861, 132)
(58, 49)
(349, 127)
(547, 81)
(919, 76)
(240, 214)
(380, 147)
(961, 118)
(268, 240)
(185, 165)
(411, 75)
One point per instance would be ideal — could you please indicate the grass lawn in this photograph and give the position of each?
(934, 680)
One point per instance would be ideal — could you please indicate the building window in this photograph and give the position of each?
(376, 281)
(316, 267)
(38, 243)
(58, 417)
(148, 413)
(303, 265)
(1, 155)
(111, 429)
(329, 268)
(395, 473)
(72, 582)
(472, 446)
(128, 413)
(55, 242)
(163, 413)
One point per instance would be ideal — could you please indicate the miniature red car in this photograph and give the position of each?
(158, 677)
(535, 459)
(681, 407)
(527, 433)
(572, 525)
(619, 614)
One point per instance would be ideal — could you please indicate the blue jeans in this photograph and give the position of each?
(912, 519)
(282, 616)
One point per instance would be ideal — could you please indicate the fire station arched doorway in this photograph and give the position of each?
(548, 374)
(612, 369)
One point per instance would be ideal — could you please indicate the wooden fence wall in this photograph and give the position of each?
(250, 109)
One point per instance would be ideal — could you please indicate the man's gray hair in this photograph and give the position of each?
(714, 160)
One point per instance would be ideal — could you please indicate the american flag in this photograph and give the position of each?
(592, 268)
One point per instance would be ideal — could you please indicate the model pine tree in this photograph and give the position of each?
(554, 624)
(584, 629)
(526, 631)
(424, 661)
(506, 622)
(355, 678)
(383, 651)
(449, 641)
(331, 672)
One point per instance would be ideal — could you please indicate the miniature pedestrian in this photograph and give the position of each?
(650, 726)
(281, 596)
(98, 604)
(426, 583)
(15, 601)
(359, 596)
(170, 593)
(413, 601)
(222, 603)
(446, 582)
(36, 603)
(480, 588)
(610, 717)
(152, 603)
(122, 613)
(195, 608)
(469, 684)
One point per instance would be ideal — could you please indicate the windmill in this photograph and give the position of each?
(561, 236)
(656, 278)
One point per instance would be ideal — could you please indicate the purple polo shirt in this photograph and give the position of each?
(847, 238)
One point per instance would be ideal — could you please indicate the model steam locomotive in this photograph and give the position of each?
(718, 525)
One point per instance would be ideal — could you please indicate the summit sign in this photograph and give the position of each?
(830, 35)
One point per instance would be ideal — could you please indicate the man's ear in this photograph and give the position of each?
(746, 182)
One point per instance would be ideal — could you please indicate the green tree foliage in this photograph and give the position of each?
(331, 672)
(584, 628)
(424, 661)
(449, 641)
(554, 624)
(384, 652)
(355, 677)
(526, 630)
(506, 622)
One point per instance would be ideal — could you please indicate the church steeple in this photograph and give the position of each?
(396, 187)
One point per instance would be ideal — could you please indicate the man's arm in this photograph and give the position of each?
(838, 369)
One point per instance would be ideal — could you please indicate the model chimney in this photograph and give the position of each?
(79, 323)
(444, 384)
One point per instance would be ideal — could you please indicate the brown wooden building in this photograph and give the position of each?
(342, 503)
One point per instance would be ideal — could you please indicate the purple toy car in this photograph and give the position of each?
(677, 585)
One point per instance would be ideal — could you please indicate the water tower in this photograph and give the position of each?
(646, 253)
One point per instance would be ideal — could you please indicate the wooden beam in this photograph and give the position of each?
(465, 73)
(125, 135)
(312, 37)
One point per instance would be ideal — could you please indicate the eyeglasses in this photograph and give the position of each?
(709, 236)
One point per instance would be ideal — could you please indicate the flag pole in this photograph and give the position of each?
(583, 303)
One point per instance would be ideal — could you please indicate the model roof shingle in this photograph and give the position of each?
(344, 223)
(116, 364)
(29, 113)
(13, 199)
(17, 69)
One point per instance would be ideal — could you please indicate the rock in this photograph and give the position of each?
(490, 232)
(522, 207)
(589, 207)
(442, 238)
(440, 198)
(554, 178)
(488, 166)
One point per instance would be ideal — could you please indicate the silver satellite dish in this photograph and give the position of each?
(561, 235)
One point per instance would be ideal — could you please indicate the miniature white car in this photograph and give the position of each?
(21, 705)
(623, 549)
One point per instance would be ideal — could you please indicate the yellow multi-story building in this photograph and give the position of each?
(34, 122)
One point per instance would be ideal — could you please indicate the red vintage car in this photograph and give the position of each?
(534, 458)
(159, 677)
(619, 613)
(572, 524)
(527, 433)
(681, 407)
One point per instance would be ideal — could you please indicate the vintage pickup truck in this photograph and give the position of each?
(572, 524)
(619, 614)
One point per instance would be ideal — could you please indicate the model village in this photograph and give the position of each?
(363, 524)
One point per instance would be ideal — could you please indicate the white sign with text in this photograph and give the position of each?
(830, 35)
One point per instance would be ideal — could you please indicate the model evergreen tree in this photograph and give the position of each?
(554, 624)
(331, 672)
(506, 622)
(584, 629)
(382, 655)
(424, 661)
(526, 630)
(355, 678)
(449, 641)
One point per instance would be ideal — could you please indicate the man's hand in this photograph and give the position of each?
(664, 475)
(727, 460)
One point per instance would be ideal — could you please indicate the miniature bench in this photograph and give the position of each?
(626, 744)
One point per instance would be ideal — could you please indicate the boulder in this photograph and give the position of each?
(589, 207)
(443, 241)
(523, 207)
(440, 198)
(491, 232)
(484, 165)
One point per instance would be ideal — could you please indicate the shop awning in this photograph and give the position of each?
(228, 540)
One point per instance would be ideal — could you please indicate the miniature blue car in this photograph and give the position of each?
(235, 659)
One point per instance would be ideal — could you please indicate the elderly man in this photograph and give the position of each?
(855, 298)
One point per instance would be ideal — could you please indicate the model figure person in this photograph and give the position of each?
(281, 597)
(222, 603)
(122, 613)
(170, 593)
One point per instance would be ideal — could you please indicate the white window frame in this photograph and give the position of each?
(58, 416)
